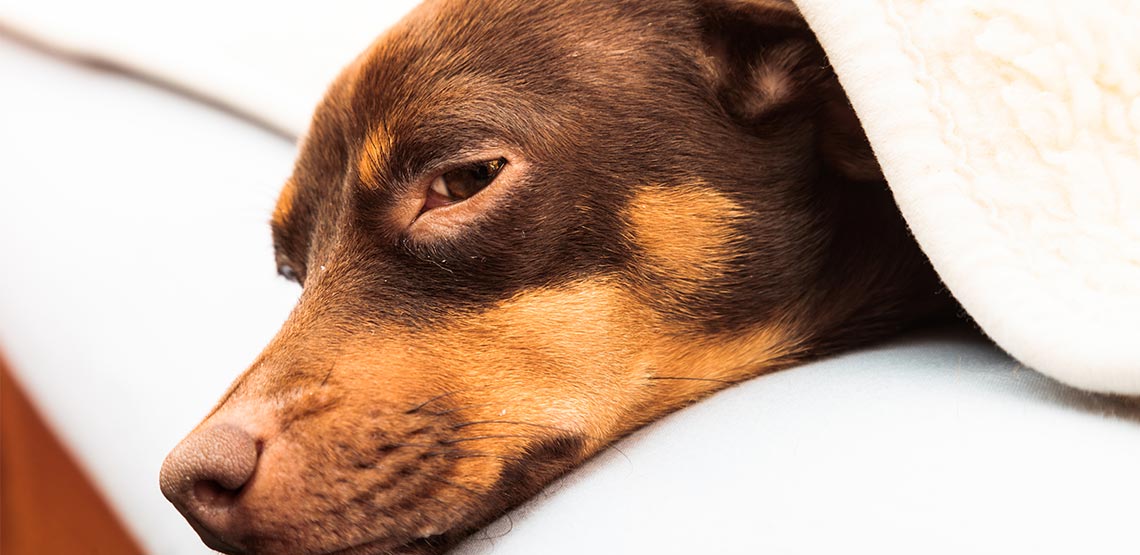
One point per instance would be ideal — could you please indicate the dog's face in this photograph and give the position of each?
(524, 229)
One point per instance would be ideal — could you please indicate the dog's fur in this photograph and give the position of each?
(688, 202)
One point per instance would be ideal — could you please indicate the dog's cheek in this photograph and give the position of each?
(685, 239)
(565, 361)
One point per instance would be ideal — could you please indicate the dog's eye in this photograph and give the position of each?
(462, 183)
(288, 272)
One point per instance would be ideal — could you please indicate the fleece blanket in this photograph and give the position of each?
(1008, 130)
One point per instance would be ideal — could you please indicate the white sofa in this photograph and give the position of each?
(137, 280)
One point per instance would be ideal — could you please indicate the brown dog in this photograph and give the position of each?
(524, 229)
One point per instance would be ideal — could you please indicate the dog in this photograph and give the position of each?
(524, 229)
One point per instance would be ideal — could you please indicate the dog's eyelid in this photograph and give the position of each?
(463, 191)
(466, 181)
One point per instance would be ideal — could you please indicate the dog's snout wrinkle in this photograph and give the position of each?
(203, 475)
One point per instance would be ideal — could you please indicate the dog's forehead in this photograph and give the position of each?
(452, 69)
(448, 50)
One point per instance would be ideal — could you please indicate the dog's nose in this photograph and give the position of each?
(202, 477)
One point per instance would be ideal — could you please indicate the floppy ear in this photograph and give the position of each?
(767, 65)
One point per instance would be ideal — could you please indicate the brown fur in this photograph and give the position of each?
(692, 204)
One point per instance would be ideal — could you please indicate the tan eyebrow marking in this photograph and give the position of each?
(285, 202)
(373, 154)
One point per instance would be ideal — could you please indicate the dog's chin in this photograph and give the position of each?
(431, 545)
(428, 541)
(213, 541)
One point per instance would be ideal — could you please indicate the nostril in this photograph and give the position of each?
(224, 455)
(213, 494)
(204, 474)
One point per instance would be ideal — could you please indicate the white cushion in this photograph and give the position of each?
(938, 443)
(136, 268)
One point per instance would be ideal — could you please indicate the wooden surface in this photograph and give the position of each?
(47, 505)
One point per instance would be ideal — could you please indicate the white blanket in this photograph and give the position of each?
(1009, 131)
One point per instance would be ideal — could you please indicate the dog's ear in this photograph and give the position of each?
(766, 65)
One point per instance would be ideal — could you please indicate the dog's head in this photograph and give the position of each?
(524, 229)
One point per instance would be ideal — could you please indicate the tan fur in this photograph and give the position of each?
(685, 233)
(375, 151)
(285, 201)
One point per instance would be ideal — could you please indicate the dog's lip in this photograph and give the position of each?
(363, 548)
(384, 545)
(404, 544)
(213, 541)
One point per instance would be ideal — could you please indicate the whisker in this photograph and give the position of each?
(468, 407)
(468, 454)
(441, 396)
(620, 452)
(514, 422)
(510, 529)
(413, 444)
(684, 378)
(420, 406)
(329, 374)
(479, 438)
(531, 424)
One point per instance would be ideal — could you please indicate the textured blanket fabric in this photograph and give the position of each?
(1009, 131)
